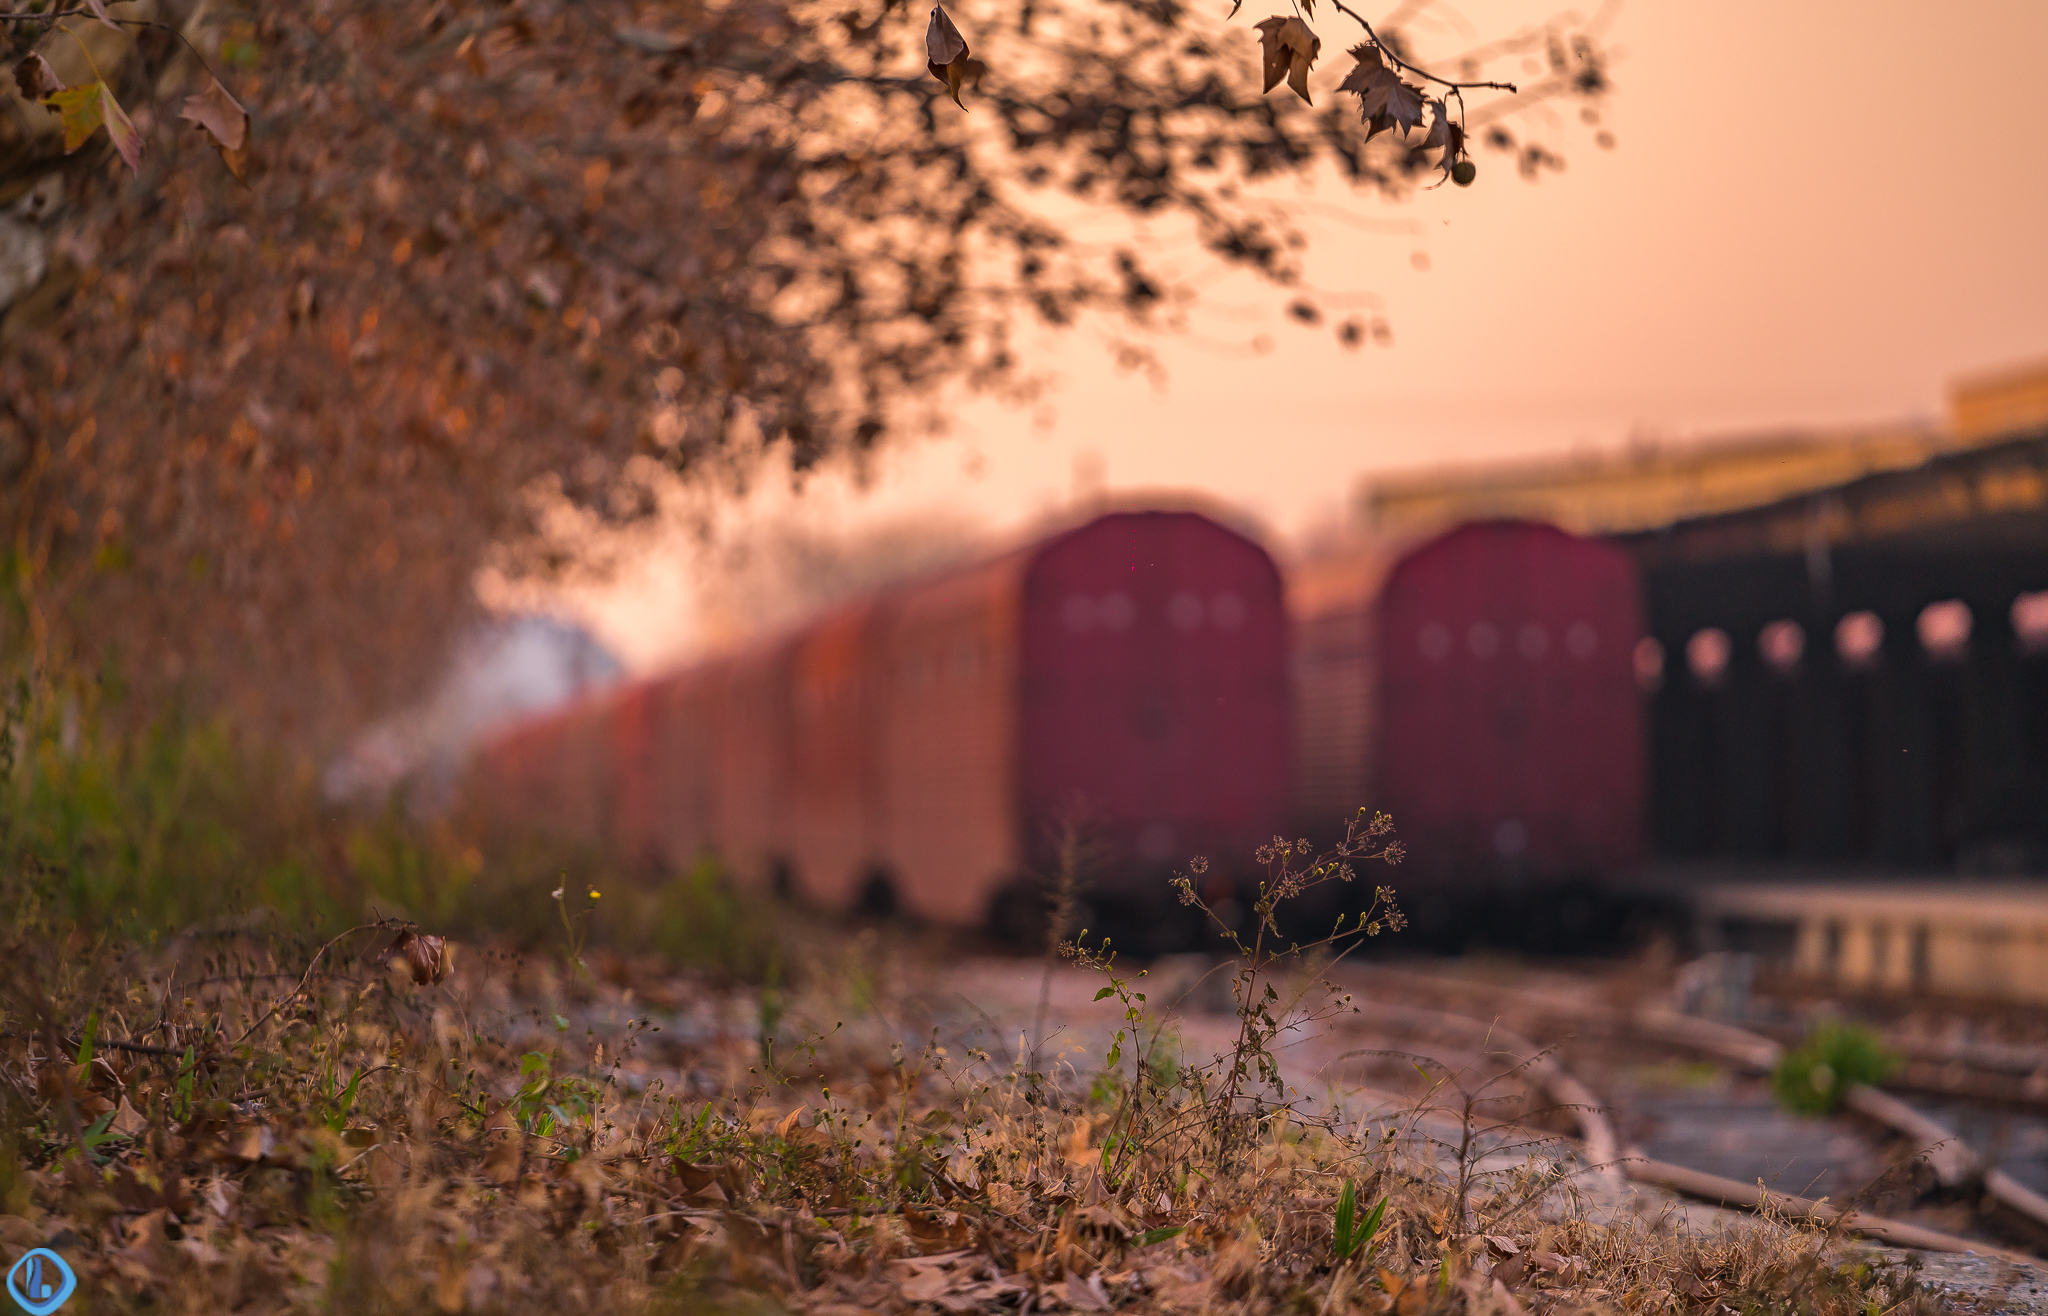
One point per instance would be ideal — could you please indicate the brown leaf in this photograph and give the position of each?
(252, 1143)
(35, 79)
(1290, 51)
(427, 958)
(122, 130)
(1385, 102)
(928, 1284)
(127, 1120)
(946, 54)
(1088, 1294)
(471, 53)
(942, 41)
(224, 121)
(502, 1162)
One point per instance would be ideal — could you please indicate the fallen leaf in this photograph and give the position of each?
(1088, 1294)
(252, 1143)
(1290, 50)
(127, 1121)
(946, 54)
(927, 1285)
(35, 79)
(224, 121)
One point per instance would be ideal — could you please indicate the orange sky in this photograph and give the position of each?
(1817, 212)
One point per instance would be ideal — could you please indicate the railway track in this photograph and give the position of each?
(1690, 1093)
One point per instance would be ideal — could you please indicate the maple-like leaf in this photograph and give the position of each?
(1290, 49)
(87, 108)
(946, 54)
(1439, 127)
(1386, 102)
(224, 121)
(35, 79)
(1369, 67)
(1404, 106)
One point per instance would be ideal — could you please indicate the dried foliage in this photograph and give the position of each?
(227, 1120)
(469, 265)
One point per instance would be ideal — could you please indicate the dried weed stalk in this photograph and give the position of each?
(511, 1135)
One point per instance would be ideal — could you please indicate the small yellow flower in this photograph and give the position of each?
(593, 895)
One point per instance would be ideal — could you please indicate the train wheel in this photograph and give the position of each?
(1018, 914)
(877, 898)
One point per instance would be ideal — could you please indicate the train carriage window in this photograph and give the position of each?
(1580, 639)
(1185, 610)
(1781, 645)
(1435, 641)
(1227, 610)
(1483, 639)
(1532, 641)
(1707, 654)
(2030, 621)
(1649, 663)
(1858, 637)
(1944, 629)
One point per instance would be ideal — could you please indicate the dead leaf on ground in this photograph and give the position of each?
(1088, 1294)
(127, 1120)
(1290, 50)
(502, 1163)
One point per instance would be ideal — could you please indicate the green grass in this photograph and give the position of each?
(1812, 1077)
(179, 824)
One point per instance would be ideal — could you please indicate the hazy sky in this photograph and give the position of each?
(1816, 213)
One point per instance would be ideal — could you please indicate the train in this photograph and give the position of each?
(1142, 688)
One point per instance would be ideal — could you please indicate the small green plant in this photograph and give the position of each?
(550, 1104)
(1348, 1235)
(575, 927)
(1812, 1078)
(1223, 1106)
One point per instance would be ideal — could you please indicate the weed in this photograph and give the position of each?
(1812, 1077)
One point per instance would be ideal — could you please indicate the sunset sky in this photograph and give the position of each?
(1815, 213)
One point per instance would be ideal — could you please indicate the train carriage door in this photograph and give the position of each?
(1153, 693)
(1512, 743)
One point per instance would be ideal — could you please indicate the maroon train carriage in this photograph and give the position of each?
(920, 749)
(1480, 688)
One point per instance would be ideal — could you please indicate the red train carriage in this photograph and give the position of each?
(1480, 688)
(920, 748)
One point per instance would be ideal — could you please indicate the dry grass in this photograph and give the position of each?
(224, 1122)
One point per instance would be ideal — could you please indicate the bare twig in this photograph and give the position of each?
(382, 924)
